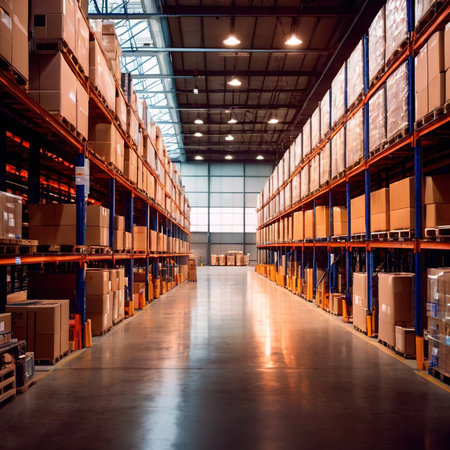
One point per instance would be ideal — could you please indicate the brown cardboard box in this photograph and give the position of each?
(97, 236)
(396, 304)
(140, 239)
(322, 221)
(436, 61)
(127, 240)
(82, 111)
(339, 221)
(405, 340)
(447, 46)
(118, 241)
(97, 303)
(401, 194)
(437, 214)
(360, 303)
(64, 322)
(436, 91)
(231, 260)
(309, 224)
(421, 89)
(19, 51)
(298, 233)
(437, 189)
(11, 215)
(97, 282)
(100, 322)
(100, 75)
(6, 26)
(97, 216)
(379, 210)
(402, 219)
(5, 323)
(358, 214)
(119, 223)
(63, 214)
(447, 85)
(153, 241)
(82, 40)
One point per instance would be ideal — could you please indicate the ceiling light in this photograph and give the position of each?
(229, 138)
(273, 120)
(198, 134)
(198, 157)
(195, 90)
(260, 157)
(293, 40)
(234, 82)
(198, 121)
(228, 157)
(232, 120)
(231, 40)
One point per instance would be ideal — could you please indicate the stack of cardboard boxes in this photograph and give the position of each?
(322, 222)
(401, 204)
(11, 216)
(5, 328)
(437, 201)
(438, 318)
(339, 221)
(379, 210)
(358, 214)
(360, 301)
(192, 269)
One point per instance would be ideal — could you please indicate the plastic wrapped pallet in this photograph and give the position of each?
(292, 158)
(288, 196)
(337, 153)
(307, 138)
(314, 173)
(282, 205)
(355, 139)
(421, 8)
(315, 128)
(355, 82)
(325, 115)
(298, 150)
(397, 100)
(377, 118)
(304, 182)
(286, 165)
(325, 164)
(377, 44)
(396, 25)
(296, 189)
(338, 96)
(280, 168)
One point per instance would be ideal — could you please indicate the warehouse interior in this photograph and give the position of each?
(224, 224)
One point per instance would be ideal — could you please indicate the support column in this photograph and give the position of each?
(147, 271)
(314, 251)
(129, 227)
(112, 210)
(348, 253)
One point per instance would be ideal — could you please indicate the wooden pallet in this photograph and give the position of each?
(376, 77)
(103, 100)
(405, 355)
(400, 134)
(51, 361)
(396, 53)
(8, 69)
(379, 236)
(26, 386)
(338, 238)
(99, 250)
(378, 148)
(439, 374)
(433, 115)
(102, 333)
(17, 246)
(356, 102)
(400, 235)
(81, 249)
(7, 383)
(385, 344)
(359, 330)
(428, 16)
(69, 125)
(440, 233)
(359, 237)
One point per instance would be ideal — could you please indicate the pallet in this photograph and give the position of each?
(379, 236)
(17, 246)
(440, 233)
(396, 53)
(99, 250)
(7, 383)
(359, 237)
(400, 235)
(102, 333)
(51, 361)
(380, 147)
(376, 77)
(439, 374)
(81, 249)
(428, 16)
(103, 100)
(356, 102)
(355, 163)
(69, 125)
(405, 355)
(400, 134)
(12, 73)
(26, 386)
(359, 330)
(338, 238)
(433, 115)
(385, 344)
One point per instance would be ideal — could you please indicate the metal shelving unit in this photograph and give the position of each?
(415, 147)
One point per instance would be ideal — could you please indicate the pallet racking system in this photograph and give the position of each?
(422, 149)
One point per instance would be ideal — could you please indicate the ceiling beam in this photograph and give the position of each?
(226, 146)
(193, 107)
(225, 11)
(221, 73)
(220, 124)
(221, 91)
(237, 51)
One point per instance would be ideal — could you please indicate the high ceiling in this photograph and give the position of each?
(278, 81)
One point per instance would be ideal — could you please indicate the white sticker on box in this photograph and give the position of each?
(6, 18)
(383, 308)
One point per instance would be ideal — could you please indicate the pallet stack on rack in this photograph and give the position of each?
(85, 167)
(360, 195)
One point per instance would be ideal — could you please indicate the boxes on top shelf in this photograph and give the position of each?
(396, 26)
(304, 182)
(306, 148)
(401, 204)
(298, 150)
(325, 114)
(338, 100)
(377, 44)
(377, 119)
(325, 164)
(436, 68)
(397, 102)
(315, 127)
(314, 173)
(355, 83)
(355, 139)
(338, 153)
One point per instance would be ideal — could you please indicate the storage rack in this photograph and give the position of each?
(416, 148)
(54, 151)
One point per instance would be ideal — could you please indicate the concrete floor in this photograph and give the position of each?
(230, 362)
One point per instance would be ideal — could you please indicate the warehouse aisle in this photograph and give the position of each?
(230, 362)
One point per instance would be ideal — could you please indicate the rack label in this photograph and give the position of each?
(82, 175)
(18, 260)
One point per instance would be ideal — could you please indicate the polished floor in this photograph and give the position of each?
(230, 362)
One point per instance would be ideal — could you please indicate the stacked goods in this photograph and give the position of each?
(288, 196)
(322, 222)
(192, 269)
(437, 201)
(55, 224)
(107, 142)
(118, 294)
(397, 101)
(5, 328)
(111, 47)
(44, 324)
(438, 313)
(222, 260)
(396, 26)
(306, 138)
(99, 298)
(360, 301)
(338, 96)
(315, 128)
(314, 173)
(296, 186)
(339, 221)
(304, 182)
(325, 115)
(119, 233)
(240, 259)
(396, 294)
(14, 35)
(401, 204)
(231, 259)
(11, 217)
(139, 289)
(358, 214)
(379, 210)
(291, 159)
(309, 224)
(377, 44)
(140, 239)
(338, 153)
(377, 119)
(325, 164)
(214, 260)
(286, 167)
(298, 149)
(421, 8)
(298, 227)
(355, 139)
(355, 82)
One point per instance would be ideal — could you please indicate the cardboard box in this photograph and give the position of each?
(436, 91)
(97, 216)
(118, 241)
(119, 223)
(405, 340)
(437, 189)
(6, 26)
(360, 303)
(421, 88)
(64, 321)
(5, 323)
(436, 61)
(231, 260)
(97, 236)
(309, 224)
(401, 194)
(322, 221)
(127, 240)
(358, 214)
(437, 214)
(402, 219)
(396, 297)
(339, 221)
(96, 304)
(140, 239)
(97, 282)
(19, 50)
